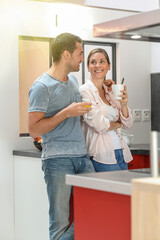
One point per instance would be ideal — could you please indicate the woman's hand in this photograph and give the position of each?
(124, 102)
(124, 96)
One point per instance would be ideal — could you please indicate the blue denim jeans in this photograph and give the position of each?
(120, 165)
(59, 193)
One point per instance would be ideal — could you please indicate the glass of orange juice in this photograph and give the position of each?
(88, 106)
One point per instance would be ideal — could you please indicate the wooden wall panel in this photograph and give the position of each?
(33, 61)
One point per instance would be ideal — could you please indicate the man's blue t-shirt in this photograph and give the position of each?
(50, 96)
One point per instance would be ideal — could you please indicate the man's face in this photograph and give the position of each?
(76, 58)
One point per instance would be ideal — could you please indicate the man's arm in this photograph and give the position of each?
(38, 125)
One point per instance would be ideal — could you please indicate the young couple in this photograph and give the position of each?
(55, 106)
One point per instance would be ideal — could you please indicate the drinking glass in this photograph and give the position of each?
(88, 106)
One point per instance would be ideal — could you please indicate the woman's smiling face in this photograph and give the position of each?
(98, 66)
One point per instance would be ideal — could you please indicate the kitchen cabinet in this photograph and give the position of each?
(145, 209)
(30, 200)
(101, 215)
(139, 161)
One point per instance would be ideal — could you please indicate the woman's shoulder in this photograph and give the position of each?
(88, 85)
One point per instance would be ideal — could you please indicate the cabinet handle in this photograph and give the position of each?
(130, 164)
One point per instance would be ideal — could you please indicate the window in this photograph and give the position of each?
(110, 49)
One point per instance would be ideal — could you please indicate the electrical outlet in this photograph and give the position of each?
(137, 115)
(146, 115)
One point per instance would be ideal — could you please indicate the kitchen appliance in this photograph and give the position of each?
(144, 25)
(128, 138)
(155, 121)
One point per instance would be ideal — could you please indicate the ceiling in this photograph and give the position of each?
(146, 24)
(124, 5)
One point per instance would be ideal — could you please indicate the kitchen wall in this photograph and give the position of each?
(22, 17)
(155, 57)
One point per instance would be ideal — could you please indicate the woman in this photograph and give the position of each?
(102, 125)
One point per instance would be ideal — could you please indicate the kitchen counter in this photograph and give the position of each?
(35, 153)
(118, 182)
(95, 193)
(115, 182)
(136, 149)
(102, 199)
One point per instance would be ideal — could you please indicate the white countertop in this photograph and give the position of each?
(115, 182)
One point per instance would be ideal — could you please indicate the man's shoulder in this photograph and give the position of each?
(40, 85)
(73, 79)
(44, 81)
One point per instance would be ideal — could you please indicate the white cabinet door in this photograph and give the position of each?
(31, 202)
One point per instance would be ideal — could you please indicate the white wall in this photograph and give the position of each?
(22, 17)
(135, 66)
(155, 57)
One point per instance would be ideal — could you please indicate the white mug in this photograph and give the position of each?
(116, 89)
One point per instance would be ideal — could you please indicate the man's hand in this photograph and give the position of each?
(109, 83)
(78, 109)
(39, 125)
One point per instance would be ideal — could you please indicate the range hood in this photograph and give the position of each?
(141, 26)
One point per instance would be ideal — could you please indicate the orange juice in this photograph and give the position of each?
(89, 106)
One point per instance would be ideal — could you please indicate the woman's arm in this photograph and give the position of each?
(97, 117)
(114, 125)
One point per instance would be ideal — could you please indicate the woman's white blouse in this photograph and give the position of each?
(114, 136)
(96, 123)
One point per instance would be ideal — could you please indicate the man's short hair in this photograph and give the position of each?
(64, 41)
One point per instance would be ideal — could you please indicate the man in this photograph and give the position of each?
(55, 108)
